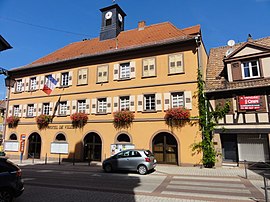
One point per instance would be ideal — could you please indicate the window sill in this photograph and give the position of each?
(101, 113)
(145, 77)
(62, 115)
(102, 82)
(149, 111)
(124, 79)
(171, 74)
(83, 84)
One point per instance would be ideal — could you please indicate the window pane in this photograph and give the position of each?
(149, 101)
(124, 70)
(81, 106)
(64, 79)
(46, 108)
(102, 105)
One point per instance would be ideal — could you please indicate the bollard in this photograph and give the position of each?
(59, 159)
(46, 159)
(245, 164)
(265, 188)
(33, 158)
(74, 159)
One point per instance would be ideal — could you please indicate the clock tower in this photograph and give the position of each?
(112, 22)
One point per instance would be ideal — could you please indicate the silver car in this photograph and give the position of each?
(141, 161)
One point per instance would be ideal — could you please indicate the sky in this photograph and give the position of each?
(36, 28)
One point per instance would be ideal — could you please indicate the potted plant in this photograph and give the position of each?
(177, 117)
(79, 119)
(43, 121)
(13, 121)
(123, 119)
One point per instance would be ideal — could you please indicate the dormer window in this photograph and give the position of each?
(250, 69)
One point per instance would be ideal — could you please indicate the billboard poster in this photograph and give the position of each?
(249, 102)
(115, 148)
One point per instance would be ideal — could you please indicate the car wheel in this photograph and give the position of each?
(142, 170)
(108, 168)
(6, 196)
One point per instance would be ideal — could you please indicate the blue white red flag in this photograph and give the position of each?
(49, 85)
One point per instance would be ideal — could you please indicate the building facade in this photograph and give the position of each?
(239, 74)
(146, 70)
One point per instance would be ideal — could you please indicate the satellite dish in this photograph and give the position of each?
(231, 43)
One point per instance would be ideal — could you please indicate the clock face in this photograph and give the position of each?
(120, 17)
(108, 15)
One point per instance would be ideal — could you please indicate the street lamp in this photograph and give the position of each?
(9, 82)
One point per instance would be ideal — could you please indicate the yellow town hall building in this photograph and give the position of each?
(147, 70)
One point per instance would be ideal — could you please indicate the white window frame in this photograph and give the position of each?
(33, 83)
(16, 110)
(125, 70)
(250, 69)
(177, 99)
(19, 85)
(81, 106)
(124, 103)
(63, 108)
(149, 102)
(102, 105)
(64, 78)
(46, 108)
(30, 110)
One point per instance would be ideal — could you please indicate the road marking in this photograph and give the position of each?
(209, 189)
(44, 171)
(207, 178)
(28, 179)
(219, 196)
(209, 184)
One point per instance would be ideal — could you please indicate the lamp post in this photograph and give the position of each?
(9, 82)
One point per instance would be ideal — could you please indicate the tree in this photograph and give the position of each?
(208, 119)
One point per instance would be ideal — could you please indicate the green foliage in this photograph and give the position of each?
(207, 121)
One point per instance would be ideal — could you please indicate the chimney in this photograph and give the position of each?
(141, 25)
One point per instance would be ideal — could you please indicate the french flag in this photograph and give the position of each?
(49, 85)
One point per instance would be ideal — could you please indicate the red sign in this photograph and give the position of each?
(22, 143)
(249, 102)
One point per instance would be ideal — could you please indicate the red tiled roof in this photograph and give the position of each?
(150, 35)
(214, 73)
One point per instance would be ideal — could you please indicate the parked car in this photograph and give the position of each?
(141, 161)
(11, 184)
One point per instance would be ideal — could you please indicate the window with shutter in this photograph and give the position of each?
(149, 102)
(62, 111)
(30, 110)
(16, 110)
(176, 63)
(102, 105)
(19, 85)
(81, 106)
(102, 74)
(149, 67)
(33, 84)
(124, 103)
(46, 108)
(177, 99)
(125, 70)
(236, 71)
(64, 79)
(82, 76)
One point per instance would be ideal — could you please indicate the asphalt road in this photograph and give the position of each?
(61, 183)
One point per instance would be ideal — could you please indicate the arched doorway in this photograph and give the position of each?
(34, 146)
(165, 148)
(92, 147)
